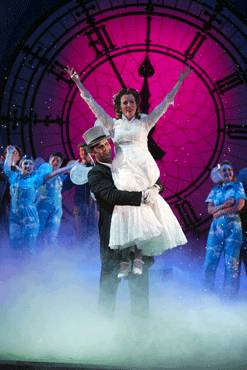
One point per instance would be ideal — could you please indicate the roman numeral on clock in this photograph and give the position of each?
(195, 44)
(100, 40)
(237, 132)
(187, 214)
(14, 119)
(47, 120)
(201, 37)
(230, 81)
(54, 67)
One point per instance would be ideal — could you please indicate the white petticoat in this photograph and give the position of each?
(152, 228)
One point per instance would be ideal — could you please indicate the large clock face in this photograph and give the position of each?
(141, 46)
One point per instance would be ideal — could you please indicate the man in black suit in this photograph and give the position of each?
(107, 196)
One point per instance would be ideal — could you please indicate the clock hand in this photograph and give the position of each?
(146, 70)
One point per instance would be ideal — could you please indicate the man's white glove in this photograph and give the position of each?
(149, 195)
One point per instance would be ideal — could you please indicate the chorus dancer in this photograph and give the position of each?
(4, 192)
(242, 177)
(49, 202)
(225, 201)
(152, 229)
(24, 186)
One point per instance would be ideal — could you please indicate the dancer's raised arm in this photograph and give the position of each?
(9, 158)
(60, 171)
(97, 110)
(160, 109)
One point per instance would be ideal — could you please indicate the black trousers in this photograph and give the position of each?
(138, 289)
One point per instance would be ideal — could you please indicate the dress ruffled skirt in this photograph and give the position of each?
(153, 228)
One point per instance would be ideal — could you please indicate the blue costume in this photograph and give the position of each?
(225, 234)
(24, 219)
(242, 176)
(50, 208)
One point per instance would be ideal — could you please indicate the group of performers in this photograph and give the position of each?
(135, 222)
(35, 193)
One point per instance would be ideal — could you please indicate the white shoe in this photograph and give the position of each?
(125, 268)
(137, 266)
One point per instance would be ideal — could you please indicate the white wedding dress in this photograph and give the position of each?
(151, 227)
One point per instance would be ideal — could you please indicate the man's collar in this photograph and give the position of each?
(105, 164)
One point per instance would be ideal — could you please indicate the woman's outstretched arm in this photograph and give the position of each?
(9, 158)
(97, 110)
(160, 109)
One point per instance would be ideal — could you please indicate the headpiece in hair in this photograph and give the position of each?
(215, 174)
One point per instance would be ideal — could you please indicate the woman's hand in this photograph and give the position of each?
(10, 149)
(219, 213)
(72, 74)
(228, 203)
(171, 95)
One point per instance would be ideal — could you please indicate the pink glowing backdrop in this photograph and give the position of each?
(193, 134)
(188, 131)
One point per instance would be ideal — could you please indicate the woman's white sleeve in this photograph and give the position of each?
(97, 110)
(151, 119)
(160, 109)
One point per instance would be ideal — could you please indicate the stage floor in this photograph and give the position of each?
(49, 315)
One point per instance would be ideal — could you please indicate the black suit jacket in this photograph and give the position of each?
(107, 196)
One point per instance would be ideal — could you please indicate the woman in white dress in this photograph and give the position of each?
(152, 228)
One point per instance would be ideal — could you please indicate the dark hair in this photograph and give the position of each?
(117, 101)
(230, 165)
(84, 146)
(17, 148)
(227, 163)
(26, 157)
(57, 154)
